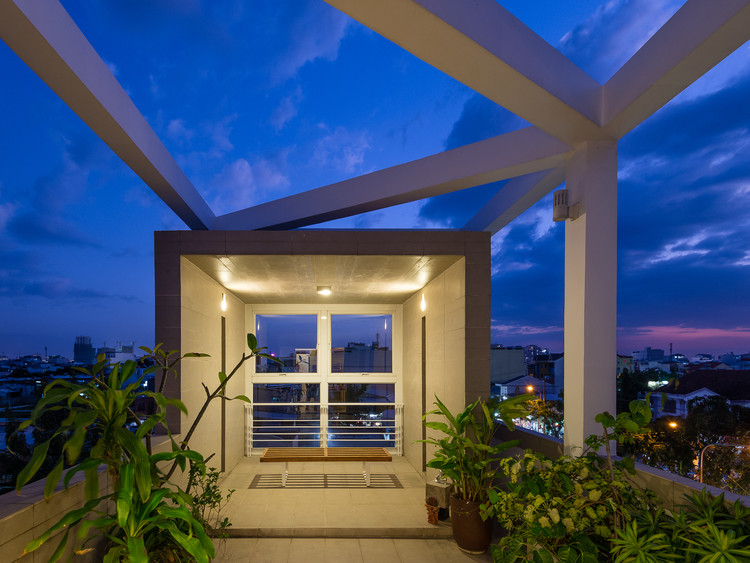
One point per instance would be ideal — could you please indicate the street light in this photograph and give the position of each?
(673, 424)
(530, 388)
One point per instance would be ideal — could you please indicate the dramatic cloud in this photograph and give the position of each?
(63, 288)
(7, 210)
(41, 218)
(481, 119)
(685, 339)
(286, 110)
(684, 214)
(241, 185)
(316, 32)
(613, 34)
(342, 149)
(178, 131)
(35, 228)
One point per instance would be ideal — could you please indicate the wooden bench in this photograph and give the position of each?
(289, 455)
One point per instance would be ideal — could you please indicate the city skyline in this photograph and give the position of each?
(258, 101)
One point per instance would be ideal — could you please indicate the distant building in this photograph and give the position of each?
(83, 351)
(549, 367)
(58, 360)
(506, 364)
(643, 365)
(358, 357)
(649, 354)
(532, 351)
(679, 359)
(734, 385)
(702, 366)
(624, 363)
(731, 359)
(306, 360)
(701, 359)
(118, 353)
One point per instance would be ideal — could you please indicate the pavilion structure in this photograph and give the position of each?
(576, 123)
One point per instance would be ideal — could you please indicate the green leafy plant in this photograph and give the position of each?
(705, 529)
(467, 454)
(209, 500)
(146, 517)
(632, 546)
(567, 509)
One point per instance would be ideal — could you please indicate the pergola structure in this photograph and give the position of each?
(576, 125)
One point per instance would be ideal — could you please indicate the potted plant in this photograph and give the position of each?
(569, 508)
(145, 517)
(467, 455)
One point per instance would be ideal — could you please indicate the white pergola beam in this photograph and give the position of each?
(515, 197)
(695, 39)
(45, 37)
(514, 154)
(485, 47)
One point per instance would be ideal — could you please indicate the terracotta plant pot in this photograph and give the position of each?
(433, 512)
(472, 534)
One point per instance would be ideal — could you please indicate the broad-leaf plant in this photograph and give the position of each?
(467, 453)
(145, 517)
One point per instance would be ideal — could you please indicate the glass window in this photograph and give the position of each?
(286, 426)
(361, 393)
(371, 422)
(286, 414)
(361, 343)
(291, 338)
(362, 426)
(286, 393)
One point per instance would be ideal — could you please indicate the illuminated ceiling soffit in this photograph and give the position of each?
(280, 279)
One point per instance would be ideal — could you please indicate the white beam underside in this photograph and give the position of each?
(513, 154)
(44, 36)
(515, 197)
(692, 42)
(485, 47)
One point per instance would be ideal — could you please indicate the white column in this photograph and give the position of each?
(590, 291)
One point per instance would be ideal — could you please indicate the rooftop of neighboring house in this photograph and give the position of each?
(730, 383)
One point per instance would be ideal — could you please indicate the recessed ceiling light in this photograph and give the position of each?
(324, 289)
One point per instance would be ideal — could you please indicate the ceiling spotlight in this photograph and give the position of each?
(324, 289)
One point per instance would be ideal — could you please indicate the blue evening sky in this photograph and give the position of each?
(258, 100)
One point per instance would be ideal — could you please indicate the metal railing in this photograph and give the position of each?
(316, 425)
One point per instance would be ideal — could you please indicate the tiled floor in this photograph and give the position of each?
(343, 550)
(339, 505)
(327, 514)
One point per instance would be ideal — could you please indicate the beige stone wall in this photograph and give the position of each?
(26, 516)
(445, 316)
(236, 339)
(201, 332)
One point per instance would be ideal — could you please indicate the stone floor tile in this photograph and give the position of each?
(342, 550)
(307, 550)
(378, 550)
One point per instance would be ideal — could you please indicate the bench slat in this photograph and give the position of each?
(324, 454)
